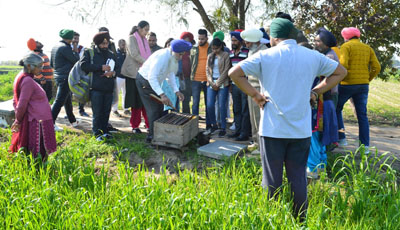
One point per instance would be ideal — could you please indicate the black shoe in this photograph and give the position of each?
(233, 135)
(149, 139)
(221, 133)
(242, 138)
(84, 114)
(111, 129)
(213, 129)
(137, 131)
(201, 118)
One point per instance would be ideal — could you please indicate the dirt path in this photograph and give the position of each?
(383, 138)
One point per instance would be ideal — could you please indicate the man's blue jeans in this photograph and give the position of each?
(359, 93)
(101, 107)
(197, 87)
(212, 95)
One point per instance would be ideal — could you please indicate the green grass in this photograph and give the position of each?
(73, 191)
(383, 104)
(6, 85)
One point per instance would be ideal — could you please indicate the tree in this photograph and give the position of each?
(223, 15)
(378, 21)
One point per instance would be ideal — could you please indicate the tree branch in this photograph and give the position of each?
(203, 14)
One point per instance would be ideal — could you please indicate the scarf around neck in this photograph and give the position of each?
(143, 44)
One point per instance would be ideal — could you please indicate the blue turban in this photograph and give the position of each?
(327, 37)
(265, 35)
(236, 34)
(180, 45)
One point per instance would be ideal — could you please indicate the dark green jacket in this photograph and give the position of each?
(194, 59)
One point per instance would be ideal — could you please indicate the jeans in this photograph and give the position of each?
(241, 112)
(101, 107)
(212, 95)
(359, 93)
(197, 87)
(275, 152)
(63, 98)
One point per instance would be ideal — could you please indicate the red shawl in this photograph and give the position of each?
(20, 139)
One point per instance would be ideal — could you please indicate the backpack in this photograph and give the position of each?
(79, 82)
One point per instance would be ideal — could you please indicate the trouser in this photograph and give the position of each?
(153, 109)
(197, 87)
(294, 154)
(63, 98)
(254, 111)
(187, 93)
(241, 112)
(136, 117)
(101, 107)
(120, 87)
(222, 96)
(359, 93)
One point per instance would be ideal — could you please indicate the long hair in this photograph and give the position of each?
(218, 43)
(140, 25)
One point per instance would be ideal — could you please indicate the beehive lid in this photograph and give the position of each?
(220, 149)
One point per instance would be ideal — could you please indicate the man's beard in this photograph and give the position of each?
(202, 44)
(235, 47)
(173, 65)
(253, 47)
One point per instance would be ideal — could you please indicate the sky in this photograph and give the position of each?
(42, 20)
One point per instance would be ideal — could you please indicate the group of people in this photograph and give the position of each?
(285, 96)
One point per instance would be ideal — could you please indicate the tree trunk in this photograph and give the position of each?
(242, 14)
(204, 17)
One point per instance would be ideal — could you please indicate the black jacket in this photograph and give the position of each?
(63, 59)
(100, 82)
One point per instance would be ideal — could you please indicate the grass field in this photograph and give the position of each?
(74, 191)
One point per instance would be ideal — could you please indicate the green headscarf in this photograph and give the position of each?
(219, 34)
(66, 34)
(283, 28)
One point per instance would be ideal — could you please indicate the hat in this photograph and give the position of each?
(187, 35)
(66, 34)
(283, 28)
(350, 32)
(180, 45)
(31, 44)
(219, 34)
(100, 37)
(239, 30)
(326, 37)
(251, 35)
(236, 34)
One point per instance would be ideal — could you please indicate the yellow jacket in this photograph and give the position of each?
(360, 61)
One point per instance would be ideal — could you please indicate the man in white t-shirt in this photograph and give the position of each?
(286, 73)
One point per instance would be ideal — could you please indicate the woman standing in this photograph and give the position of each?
(218, 64)
(138, 50)
(33, 128)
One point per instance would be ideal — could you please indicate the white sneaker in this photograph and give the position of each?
(366, 150)
(76, 123)
(342, 142)
(57, 129)
(233, 127)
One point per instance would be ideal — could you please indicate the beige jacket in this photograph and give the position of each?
(133, 60)
(253, 80)
(224, 64)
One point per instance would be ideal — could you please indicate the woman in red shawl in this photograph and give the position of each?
(33, 128)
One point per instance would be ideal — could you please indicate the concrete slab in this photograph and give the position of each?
(220, 149)
(7, 114)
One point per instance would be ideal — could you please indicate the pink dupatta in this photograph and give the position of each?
(143, 44)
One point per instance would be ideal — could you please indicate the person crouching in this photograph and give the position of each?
(161, 65)
(101, 92)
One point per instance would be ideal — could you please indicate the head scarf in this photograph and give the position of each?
(326, 37)
(66, 34)
(219, 34)
(100, 37)
(187, 35)
(350, 32)
(282, 28)
(236, 34)
(180, 45)
(31, 44)
(251, 35)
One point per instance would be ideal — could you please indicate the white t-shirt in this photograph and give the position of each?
(215, 70)
(286, 73)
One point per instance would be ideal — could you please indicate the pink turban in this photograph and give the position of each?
(350, 32)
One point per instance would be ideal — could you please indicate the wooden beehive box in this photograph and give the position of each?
(7, 114)
(174, 135)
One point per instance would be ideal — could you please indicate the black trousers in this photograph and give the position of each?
(294, 154)
(154, 109)
(63, 98)
(241, 112)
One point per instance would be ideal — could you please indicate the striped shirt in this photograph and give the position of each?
(47, 71)
(235, 59)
